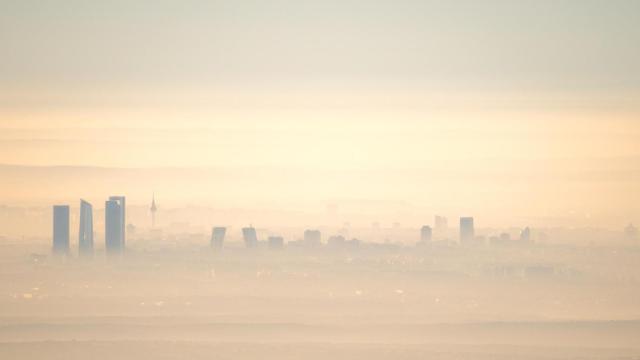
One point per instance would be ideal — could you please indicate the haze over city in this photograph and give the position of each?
(303, 179)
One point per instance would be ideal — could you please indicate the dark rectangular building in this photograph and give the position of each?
(113, 227)
(85, 235)
(276, 242)
(250, 237)
(312, 238)
(217, 237)
(467, 230)
(61, 229)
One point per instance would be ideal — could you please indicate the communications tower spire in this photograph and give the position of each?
(153, 209)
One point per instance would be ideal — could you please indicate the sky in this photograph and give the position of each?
(495, 108)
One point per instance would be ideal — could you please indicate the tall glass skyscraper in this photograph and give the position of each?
(113, 225)
(61, 229)
(123, 219)
(85, 236)
(467, 231)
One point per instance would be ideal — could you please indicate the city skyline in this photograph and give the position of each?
(116, 228)
(320, 179)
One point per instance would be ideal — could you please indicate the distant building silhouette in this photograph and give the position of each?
(85, 236)
(312, 238)
(61, 229)
(250, 237)
(353, 244)
(153, 210)
(336, 241)
(123, 219)
(467, 230)
(113, 225)
(441, 224)
(631, 232)
(425, 234)
(275, 242)
(217, 237)
(525, 235)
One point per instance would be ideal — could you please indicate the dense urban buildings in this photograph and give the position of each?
(61, 229)
(115, 229)
(312, 238)
(114, 223)
(85, 236)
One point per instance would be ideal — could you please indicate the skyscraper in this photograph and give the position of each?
(217, 237)
(250, 237)
(113, 226)
(467, 231)
(425, 234)
(85, 236)
(275, 242)
(336, 241)
(61, 229)
(441, 224)
(123, 219)
(312, 238)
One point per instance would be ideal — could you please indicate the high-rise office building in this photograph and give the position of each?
(312, 238)
(85, 236)
(525, 235)
(275, 242)
(61, 229)
(441, 224)
(250, 237)
(217, 237)
(123, 219)
(467, 230)
(113, 225)
(425, 234)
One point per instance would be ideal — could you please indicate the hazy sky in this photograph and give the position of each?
(468, 93)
